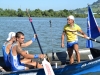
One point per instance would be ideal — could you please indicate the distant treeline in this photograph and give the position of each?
(39, 13)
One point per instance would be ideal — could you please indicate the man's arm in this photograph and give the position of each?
(62, 39)
(85, 36)
(29, 42)
(29, 56)
(26, 44)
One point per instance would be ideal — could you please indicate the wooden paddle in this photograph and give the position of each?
(30, 19)
(75, 32)
(86, 37)
(47, 68)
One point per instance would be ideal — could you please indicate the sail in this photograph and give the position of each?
(92, 28)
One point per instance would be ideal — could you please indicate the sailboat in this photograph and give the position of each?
(82, 68)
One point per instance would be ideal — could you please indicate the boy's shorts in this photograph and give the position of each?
(70, 44)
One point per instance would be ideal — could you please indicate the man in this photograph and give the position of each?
(6, 48)
(16, 51)
(72, 40)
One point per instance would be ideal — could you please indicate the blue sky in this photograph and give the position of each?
(44, 4)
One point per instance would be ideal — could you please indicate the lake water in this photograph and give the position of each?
(49, 37)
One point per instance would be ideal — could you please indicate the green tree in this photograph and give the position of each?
(20, 13)
(38, 13)
(51, 11)
(1, 12)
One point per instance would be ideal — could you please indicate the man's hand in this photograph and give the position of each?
(35, 36)
(42, 56)
(85, 36)
(62, 45)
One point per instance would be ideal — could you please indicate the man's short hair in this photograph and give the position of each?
(18, 34)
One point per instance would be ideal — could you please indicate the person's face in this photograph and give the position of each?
(14, 38)
(70, 21)
(20, 39)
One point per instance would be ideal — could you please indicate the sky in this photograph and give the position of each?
(44, 4)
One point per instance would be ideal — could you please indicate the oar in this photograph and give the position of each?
(87, 37)
(75, 32)
(47, 66)
(30, 19)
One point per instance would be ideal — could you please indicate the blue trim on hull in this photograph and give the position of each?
(74, 69)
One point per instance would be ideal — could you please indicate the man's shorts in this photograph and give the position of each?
(18, 67)
(70, 44)
(21, 67)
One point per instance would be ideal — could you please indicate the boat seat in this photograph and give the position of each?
(62, 56)
(58, 57)
(95, 52)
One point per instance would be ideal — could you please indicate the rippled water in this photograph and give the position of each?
(49, 37)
